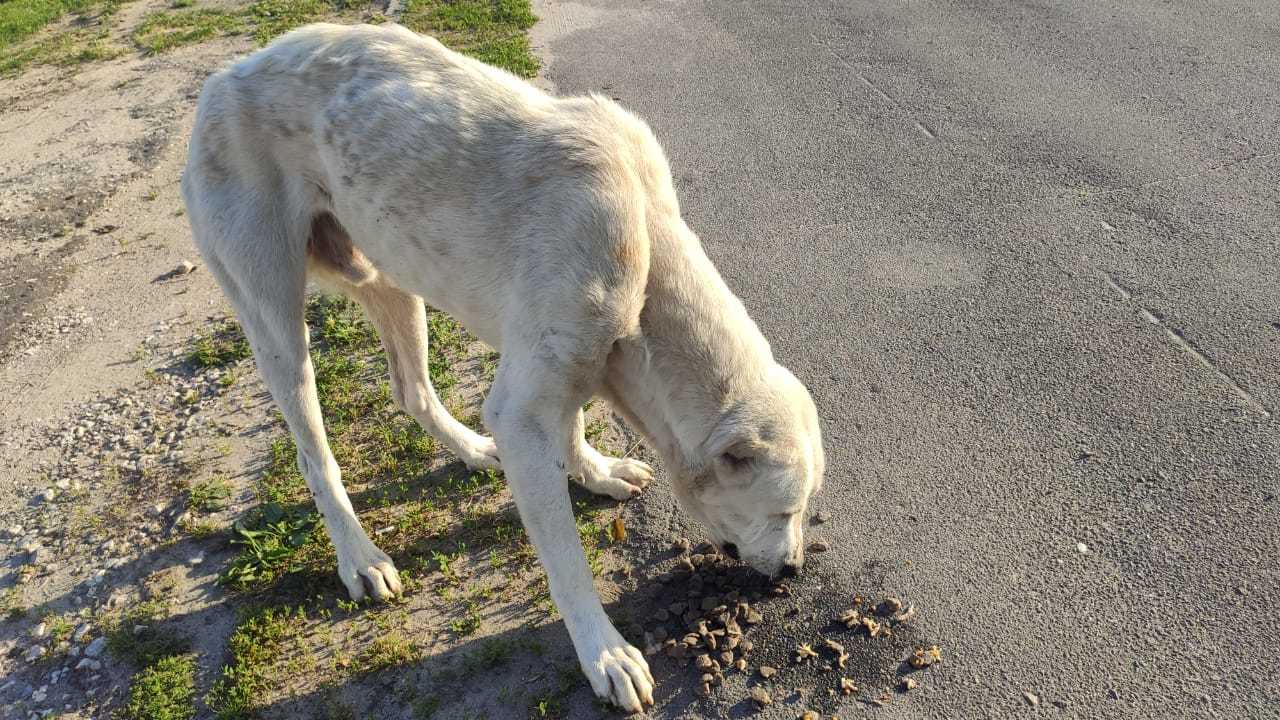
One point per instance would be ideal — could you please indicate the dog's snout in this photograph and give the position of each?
(732, 551)
(789, 569)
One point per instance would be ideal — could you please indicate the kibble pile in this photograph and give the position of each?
(709, 615)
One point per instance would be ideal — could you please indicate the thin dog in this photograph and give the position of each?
(393, 170)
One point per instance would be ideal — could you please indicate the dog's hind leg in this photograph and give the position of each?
(259, 259)
(401, 320)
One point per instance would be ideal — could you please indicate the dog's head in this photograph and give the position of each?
(755, 474)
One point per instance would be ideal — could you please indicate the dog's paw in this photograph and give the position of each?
(619, 478)
(367, 571)
(618, 673)
(479, 452)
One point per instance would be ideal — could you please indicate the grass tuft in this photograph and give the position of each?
(270, 544)
(223, 345)
(164, 690)
(255, 648)
(132, 635)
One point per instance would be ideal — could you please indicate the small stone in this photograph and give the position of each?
(702, 662)
(96, 647)
(752, 617)
(681, 544)
(49, 495)
(849, 618)
(810, 715)
(1082, 548)
(1032, 699)
(184, 268)
(195, 559)
(708, 678)
(761, 697)
(767, 672)
(819, 546)
(747, 646)
(40, 630)
(821, 516)
(726, 657)
(740, 665)
(705, 690)
(34, 653)
(89, 664)
(847, 686)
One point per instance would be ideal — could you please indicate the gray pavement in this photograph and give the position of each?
(1027, 257)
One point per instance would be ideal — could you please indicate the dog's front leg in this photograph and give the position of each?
(531, 414)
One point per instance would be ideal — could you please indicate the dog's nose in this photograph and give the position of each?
(731, 550)
(789, 570)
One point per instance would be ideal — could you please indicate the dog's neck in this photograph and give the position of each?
(697, 351)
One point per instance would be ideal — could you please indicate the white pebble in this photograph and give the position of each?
(1084, 549)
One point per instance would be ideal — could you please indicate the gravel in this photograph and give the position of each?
(95, 648)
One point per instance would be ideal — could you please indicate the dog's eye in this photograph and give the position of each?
(734, 461)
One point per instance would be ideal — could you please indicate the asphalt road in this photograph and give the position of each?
(1027, 256)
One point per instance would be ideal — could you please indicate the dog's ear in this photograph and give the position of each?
(739, 453)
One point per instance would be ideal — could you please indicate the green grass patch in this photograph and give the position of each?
(389, 650)
(87, 40)
(492, 31)
(165, 30)
(270, 545)
(264, 21)
(164, 690)
(21, 18)
(255, 648)
(134, 636)
(223, 345)
(209, 496)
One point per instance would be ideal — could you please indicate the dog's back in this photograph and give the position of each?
(403, 140)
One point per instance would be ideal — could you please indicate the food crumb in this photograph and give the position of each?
(804, 652)
(760, 697)
(923, 658)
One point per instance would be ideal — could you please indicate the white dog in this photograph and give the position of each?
(394, 170)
